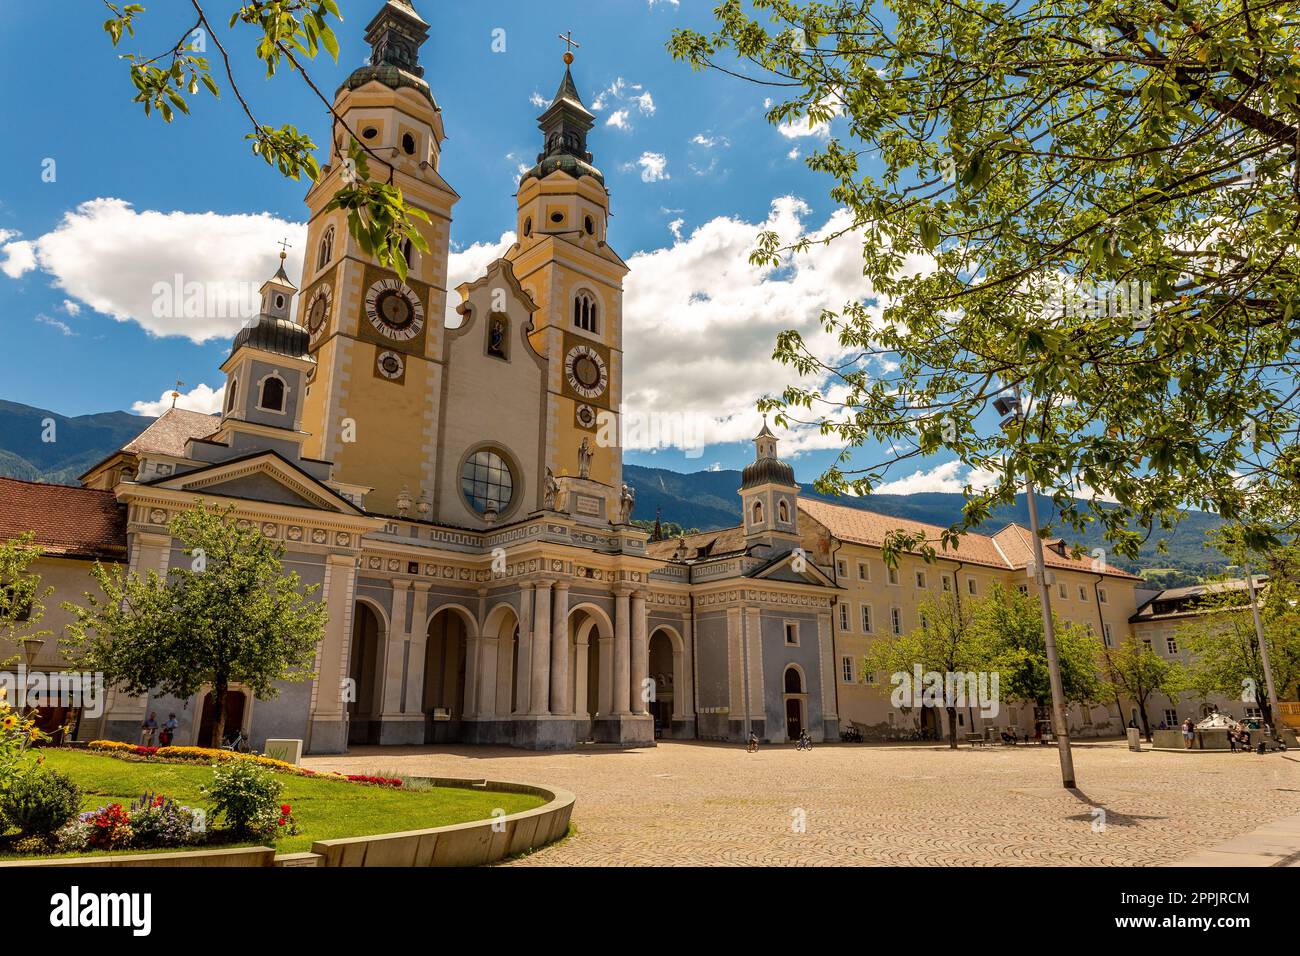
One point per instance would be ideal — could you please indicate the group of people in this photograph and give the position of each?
(149, 730)
(804, 742)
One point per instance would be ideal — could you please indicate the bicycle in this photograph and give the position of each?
(237, 744)
(803, 743)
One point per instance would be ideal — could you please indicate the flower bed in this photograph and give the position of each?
(115, 748)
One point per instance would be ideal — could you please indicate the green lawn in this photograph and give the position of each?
(324, 809)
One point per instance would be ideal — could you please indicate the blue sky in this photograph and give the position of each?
(684, 218)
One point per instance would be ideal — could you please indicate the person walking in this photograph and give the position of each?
(148, 729)
(1189, 733)
(752, 747)
(168, 731)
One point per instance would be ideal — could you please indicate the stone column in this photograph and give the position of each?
(686, 693)
(622, 652)
(523, 675)
(393, 659)
(640, 654)
(581, 661)
(560, 689)
(541, 656)
(413, 695)
(473, 655)
(328, 727)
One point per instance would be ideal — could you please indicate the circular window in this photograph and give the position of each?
(369, 132)
(279, 302)
(408, 144)
(557, 217)
(590, 225)
(486, 482)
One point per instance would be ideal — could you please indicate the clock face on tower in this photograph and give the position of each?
(586, 372)
(318, 309)
(394, 310)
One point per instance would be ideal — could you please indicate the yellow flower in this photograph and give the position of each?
(9, 722)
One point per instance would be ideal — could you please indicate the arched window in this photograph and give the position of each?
(272, 399)
(230, 395)
(326, 249)
(758, 512)
(793, 681)
(584, 313)
(783, 510)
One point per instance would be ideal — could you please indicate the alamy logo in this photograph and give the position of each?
(27, 689)
(953, 689)
(75, 909)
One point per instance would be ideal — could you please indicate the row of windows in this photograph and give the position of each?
(851, 674)
(920, 579)
(866, 620)
(1063, 590)
(782, 511)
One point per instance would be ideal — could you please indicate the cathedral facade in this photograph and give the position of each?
(454, 491)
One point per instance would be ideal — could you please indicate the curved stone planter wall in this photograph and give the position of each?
(459, 844)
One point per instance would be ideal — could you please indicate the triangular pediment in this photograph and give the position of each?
(265, 476)
(783, 568)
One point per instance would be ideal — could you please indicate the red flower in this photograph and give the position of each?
(284, 808)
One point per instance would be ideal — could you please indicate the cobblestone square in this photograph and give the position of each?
(711, 804)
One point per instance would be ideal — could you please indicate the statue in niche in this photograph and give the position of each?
(497, 336)
(585, 454)
(626, 501)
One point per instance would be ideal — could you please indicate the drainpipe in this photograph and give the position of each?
(695, 661)
(835, 651)
(744, 669)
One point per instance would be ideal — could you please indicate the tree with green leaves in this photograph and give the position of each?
(1134, 670)
(1223, 641)
(944, 643)
(1007, 626)
(287, 33)
(21, 594)
(1097, 203)
(233, 615)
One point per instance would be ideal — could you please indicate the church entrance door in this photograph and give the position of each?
(793, 718)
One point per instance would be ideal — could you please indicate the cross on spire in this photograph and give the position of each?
(284, 248)
(569, 44)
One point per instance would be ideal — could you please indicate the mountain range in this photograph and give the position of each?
(40, 445)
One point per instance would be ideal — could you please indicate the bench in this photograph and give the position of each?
(976, 740)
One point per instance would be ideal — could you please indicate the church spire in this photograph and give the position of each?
(564, 126)
(395, 36)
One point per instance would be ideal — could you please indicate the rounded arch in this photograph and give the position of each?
(272, 392)
(365, 648)
(326, 252)
(799, 684)
(502, 616)
(667, 666)
(376, 607)
(598, 616)
(591, 638)
(471, 622)
(588, 309)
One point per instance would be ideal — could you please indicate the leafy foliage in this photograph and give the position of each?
(21, 593)
(1025, 179)
(246, 797)
(288, 32)
(233, 615)
(40, 801)
(1135, 670)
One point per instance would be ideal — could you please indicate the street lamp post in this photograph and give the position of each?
(1011, 408)
(1263, 649)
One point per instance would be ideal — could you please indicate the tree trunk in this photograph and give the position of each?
(952, 728)
(1146, 724)
(218, 714)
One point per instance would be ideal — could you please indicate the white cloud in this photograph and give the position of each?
(700, 321)
(675, 227)
(71, 307)
(708, 142)
(621, 91)
(123, 263)
(613, 92)
(666, 3)
(55, 323)
(951, 476)
(538, 100)
(20, 259)
(618, 119)
(793, 154)
(645, 103)
(201, 398)
(654, 167)
(799, 128)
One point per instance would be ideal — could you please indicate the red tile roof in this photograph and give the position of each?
(168, 435)
(701, 545)
(69, 522)
(1009, 549)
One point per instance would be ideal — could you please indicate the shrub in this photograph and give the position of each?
(110, 827)
(247, 797)
(41, 801)
(73, 837)
(158, 821)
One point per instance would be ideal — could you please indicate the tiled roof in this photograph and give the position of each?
(702, 545)
(168, 435)
(69, 522)
(1008, 549)
(1185, 602)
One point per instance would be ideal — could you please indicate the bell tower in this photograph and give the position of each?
(371, 405)
(563, 260)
